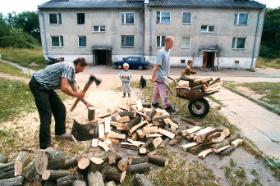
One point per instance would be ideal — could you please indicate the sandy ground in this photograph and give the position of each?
(105, 98)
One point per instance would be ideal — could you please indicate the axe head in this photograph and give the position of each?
(96, 80)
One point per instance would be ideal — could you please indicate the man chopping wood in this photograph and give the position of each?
(42, 85)
(160, 74)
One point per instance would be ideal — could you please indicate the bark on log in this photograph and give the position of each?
(123, 164)
(22, 159)
(142, 180)
(129, 146)
(148, 143)
(79, 183)
(16, 181)
(3, 158)
(164, 143)
(137, 160)
(225, 133)
(113, 157)
(227, 151)
(91, 113)
(114, 174)
(225, 142)
(95, 164)
(53, 175)
(139, 168)
(204, 153)
(134, 122)
(83, 132)
(95, 179)
(29, 172)
(134, 128)
(66, 180)
(7, 170)
(158, 160)
(70, 162)
(196, 149)
(111, 183)
(131, 115)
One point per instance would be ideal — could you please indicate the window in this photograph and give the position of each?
(57, 41)
(207, 28)
(163, 17)
(55, 18)
(187, 16)
(127, 18)
(241, 19)
(98, 28)
(160, 41)
(127, 41)
(80, 18)
(238, 42)
(82, 41)
(186, 42)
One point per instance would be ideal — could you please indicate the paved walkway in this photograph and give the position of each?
(256, 123)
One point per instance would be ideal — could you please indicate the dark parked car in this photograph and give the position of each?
(133, 62)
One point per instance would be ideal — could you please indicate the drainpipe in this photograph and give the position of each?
(255, 40)
(44, 34)
(150, 38)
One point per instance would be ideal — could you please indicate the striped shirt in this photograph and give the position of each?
(50, 77)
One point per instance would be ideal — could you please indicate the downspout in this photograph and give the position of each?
(255, 40)
(44, 35)
(150, 38)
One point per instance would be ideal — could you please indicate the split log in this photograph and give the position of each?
(217, 151)
(101, 131)
(7, 170)
(129, 146)
(103, 145)
(134, 122)
(153, 135)
(123, 164)
(152, 113)
(16, 181)
(140, 134)
(113, 157)
(200, 136)
(111, 183)
(134, 136)
(83, 164)
(143, 115)
(134, 128)
(142, 151)
(116, 135)
(66, 180)
(168, 121)
(119, 126)
(83, 132)
(157, 160)
(175, 141)
(107, 125)
(190, 131)
(225, 133)
(123, 119)
(94, 142)
(113, 174)
(114, 141)
(95, 179)
(212, 136)
(137, 160)
(131, 115)
(136, 143)
(148, 130)
(166, 133)
(139, 168)
(189, 145)
(227, 151)
(164, 143)
(196, 149)
(225, 142)
(3, 158)
(53, 175)
(142, 180)
(148, 143)
(79, 183)
(204, 153)
(22, 159)
(157, 141)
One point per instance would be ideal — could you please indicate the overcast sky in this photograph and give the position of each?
(31, 5)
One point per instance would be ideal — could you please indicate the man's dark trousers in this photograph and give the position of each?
(48, 103)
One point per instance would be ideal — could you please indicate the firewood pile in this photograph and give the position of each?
(126, 142)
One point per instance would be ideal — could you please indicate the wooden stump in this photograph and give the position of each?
(142, 180)
(83, 132)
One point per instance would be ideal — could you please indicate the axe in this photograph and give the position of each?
(86, 87)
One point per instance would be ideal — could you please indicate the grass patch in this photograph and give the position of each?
(30, 58)
(8, 69)
(15, 98)
(268, 63)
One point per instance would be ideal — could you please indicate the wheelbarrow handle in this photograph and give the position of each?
(171, 79)
(166, 87)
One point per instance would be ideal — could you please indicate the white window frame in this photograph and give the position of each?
(99, 28)
(58, 18)
(183, 19)
(125, 23)
(125, 43)
(160, 41)
(79, 41)
(235, 43)
(237, 21)
(84, 18)
(207, 30)
(160, 17)
(61, 44)
(190, 45)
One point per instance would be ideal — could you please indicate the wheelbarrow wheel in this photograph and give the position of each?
(199, 107)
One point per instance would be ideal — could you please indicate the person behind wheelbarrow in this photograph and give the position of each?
(160, 74)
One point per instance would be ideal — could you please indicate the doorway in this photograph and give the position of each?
(208, 60)
(102, 56)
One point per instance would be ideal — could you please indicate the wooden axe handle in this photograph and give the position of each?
(86, 87)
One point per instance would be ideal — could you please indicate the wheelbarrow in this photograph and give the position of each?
(196, 93)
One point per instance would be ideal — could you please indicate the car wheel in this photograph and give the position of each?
(120, 67)
(140, 67)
